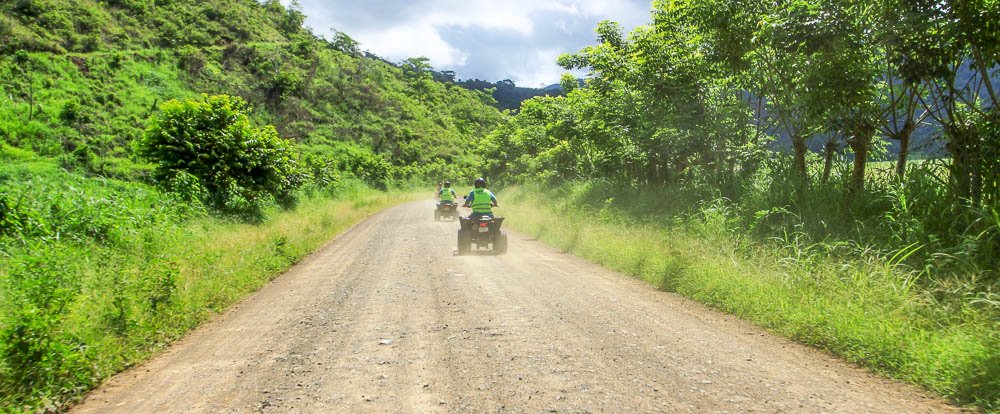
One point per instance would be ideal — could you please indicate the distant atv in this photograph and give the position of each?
(482, 232)
(446, 209)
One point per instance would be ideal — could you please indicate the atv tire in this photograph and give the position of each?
(464, 242)
(500, 245)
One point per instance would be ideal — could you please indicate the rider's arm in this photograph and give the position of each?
(468, 199)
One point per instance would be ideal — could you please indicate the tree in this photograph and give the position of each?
(843, 74)
(568, 82)
(292, 19)
(778, 63)
(727, 35)
(933, 40)
(344, 43)
(238, 166)
(24, 63)
(416, 68)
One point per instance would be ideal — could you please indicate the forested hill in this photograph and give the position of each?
(507, 93)
(80, 79)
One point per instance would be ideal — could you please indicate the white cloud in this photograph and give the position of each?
(485, 39)
(401, 42)
(541, 73)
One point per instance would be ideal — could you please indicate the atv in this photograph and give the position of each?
(446, 209)
(484, 232)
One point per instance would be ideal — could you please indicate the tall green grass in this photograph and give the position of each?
(856, 301)
(97, 274)
(86, 111)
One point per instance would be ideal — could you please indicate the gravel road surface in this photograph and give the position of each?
(388, 318)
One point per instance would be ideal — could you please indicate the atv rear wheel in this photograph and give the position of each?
(500, 245)
(464, 242)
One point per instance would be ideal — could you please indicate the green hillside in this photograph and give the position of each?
(148, 150)
(81, 79)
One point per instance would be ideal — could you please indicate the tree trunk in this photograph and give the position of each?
(799, 146)
(904, 149)
(31, 100)
(828, 151)
(989, 150)
(858, 174)
(976, 179)
(961, 163)
(860, 143)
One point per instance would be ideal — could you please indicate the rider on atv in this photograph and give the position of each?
(447, 194)
(481, 200)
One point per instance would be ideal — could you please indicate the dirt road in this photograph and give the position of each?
(387, 318)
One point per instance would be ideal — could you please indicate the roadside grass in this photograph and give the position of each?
(877, 170)
(865, 307)
(98, 274)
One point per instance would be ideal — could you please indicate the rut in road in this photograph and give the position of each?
(386, 318)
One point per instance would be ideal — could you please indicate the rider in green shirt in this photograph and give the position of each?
(481, 200)
(447, 194)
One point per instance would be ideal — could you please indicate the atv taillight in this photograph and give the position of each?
(484, 224)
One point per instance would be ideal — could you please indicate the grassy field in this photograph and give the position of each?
(99, 274)
(868, 309)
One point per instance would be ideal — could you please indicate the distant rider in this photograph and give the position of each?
(481, 200)
(447, 194)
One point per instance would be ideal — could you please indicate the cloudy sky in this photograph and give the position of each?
(478, 39)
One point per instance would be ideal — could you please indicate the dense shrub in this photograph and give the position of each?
(242, 167)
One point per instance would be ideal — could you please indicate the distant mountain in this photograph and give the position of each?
(508, 94)
(558, 87)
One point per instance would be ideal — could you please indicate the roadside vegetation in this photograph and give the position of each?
(104, 272)
(725, 152)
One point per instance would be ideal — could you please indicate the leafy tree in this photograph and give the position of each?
(933, 40)
(345, 43)
(779, 61)
(616, 87)
(240, 166)
(900, 102)
(416, 68)
(843, 76)
(568, 82)
(26, 67)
